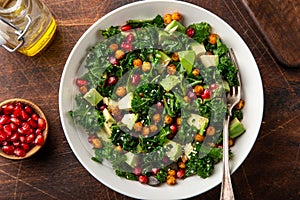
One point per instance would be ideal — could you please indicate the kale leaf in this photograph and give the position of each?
(202, 31)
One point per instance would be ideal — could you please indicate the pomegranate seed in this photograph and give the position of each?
(126, 46)
(26, 127)
(41, 124)
(22, 138)
(191, 95)
(35, 117)
(39, 140)
(135, 79)
(103, 107)
(126, 27)
(21, 131)
(8, 149)
(13, 127)
(155, 171)
(32, 123)
(17, 110)
(16, 121)
(137, 171)
(174, 128)
(25, 146)
(4, 120)
(206, 94)
(81, 82)
(91, 137)
(38, 132)
(8, 109)
(213, 86)
(28, 109)
(24, 116)
(190, 32)
(112, 80)
(19, 152)
(180, 173)
(16, 144)
(30, 138)
(114, 61)
(143, 179)
(1, 127)
(159, 105)
(7, 129)
(15, 137)
(2, 136)
(129, 38)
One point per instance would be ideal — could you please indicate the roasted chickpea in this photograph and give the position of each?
(176, 16)
(113, 47)
(119, 54)
(171, 69)
(137, 62)
(156, 117)
(199, 138)
(230, 142)
(171, 180)
(145, 131)
(118, 148)
(196, 72)
(138, 126)
(184, 158)
(83, 89)
(121, 91)
(181, 165)
(96, 142)
(212, 38)
(198, 90)
(175, 57)
(146, 67)
(240, 104)
(187, 99)
(153, 128)
(168, 119)
(210, 131)
(167, 18)
(178, 121)
(172, 172)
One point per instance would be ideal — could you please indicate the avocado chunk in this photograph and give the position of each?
(209, 60)
(187, 59)
(175, 150)
(125, 102)
(175, 26)
(170, 82)
(199, 122)
(236, 128)
(162, 35)
(132, 159)
(108, 117)
(198, 48)
(93, 97)
(164, 59)
(129, 120)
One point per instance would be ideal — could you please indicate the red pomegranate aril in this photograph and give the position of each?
(17, 110)
(126, 27)
(143, 179)
(41, 124)
(1, 127)
(38, 132)
(180, 173)
(174, 128)
(206, 94)
(13, 127)
(3, 136)
(25, 146)
(135, 79)
(30, 138)
(15, 137)
(129, 38)
(26, 127)
(114, 61)
(8, 109)
(35, 117)
(155, 171)
(16, 121)
(126, 46)
(8, 149)
(22, 138)
(7, 129)
(16, 144)
(19, 152)
(190, 32)
(32, 123)
(159, 105)
(81, 82)
(137, 171)
(213, 86)
(191, 95)
(24, 116)
(21, 131)
(39, 140)
(112, 80)
(4, 120)
(28, 109)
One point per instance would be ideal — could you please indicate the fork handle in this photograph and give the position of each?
(226, 188)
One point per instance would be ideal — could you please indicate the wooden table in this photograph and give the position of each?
(271, 171)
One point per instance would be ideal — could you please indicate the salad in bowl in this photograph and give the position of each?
(151, 99)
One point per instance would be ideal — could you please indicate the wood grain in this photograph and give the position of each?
(271, 171)
(279, 21)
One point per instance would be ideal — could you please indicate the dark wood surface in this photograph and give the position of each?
(271, 171)
(279, 21)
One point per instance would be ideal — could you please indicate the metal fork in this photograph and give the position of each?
(233, 98)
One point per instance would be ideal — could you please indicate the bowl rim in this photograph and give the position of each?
(41, 114)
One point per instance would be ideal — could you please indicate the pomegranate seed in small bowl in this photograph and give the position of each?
(23, 128)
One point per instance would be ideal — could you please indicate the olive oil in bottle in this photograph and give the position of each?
(26, 26)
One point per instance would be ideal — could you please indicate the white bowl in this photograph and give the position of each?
(252, 88)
